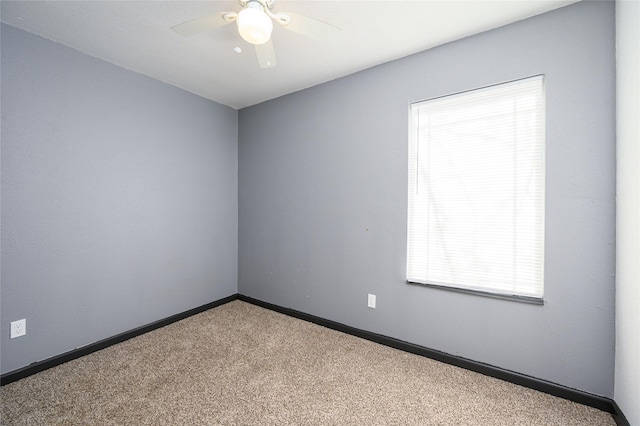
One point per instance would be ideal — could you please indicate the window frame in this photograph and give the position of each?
(537, 299)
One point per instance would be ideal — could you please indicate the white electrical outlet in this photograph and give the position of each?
(18, 328)
(371, 301)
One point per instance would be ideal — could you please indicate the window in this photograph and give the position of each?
(476, 191)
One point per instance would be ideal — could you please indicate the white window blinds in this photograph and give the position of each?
(476, 190)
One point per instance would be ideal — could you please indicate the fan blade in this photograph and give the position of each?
(202, 25)
(266, 54)
(309, 27)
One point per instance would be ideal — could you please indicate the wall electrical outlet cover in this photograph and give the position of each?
(371, 301)
(18, 328)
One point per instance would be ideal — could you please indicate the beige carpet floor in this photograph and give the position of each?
(239, 364)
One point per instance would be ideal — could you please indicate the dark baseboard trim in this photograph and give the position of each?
(618, 415)
(585, 398)
(39, 366)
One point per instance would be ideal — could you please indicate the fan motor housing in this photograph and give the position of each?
(267, 4)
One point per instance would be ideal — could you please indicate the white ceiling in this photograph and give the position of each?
(136, 35)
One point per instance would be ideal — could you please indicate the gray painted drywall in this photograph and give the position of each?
(119, 199)
(322, 201)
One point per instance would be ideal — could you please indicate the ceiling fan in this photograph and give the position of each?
(255, 23)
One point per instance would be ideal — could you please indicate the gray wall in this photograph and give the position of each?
(119, 199)
(627, 380)
(322, 201)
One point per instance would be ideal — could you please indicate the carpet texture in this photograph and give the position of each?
(239, 364)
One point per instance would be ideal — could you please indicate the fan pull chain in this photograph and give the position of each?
(237, 49)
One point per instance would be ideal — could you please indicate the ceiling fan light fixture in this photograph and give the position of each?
(254, 25)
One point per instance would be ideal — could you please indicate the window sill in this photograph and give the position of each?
(511, 297)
